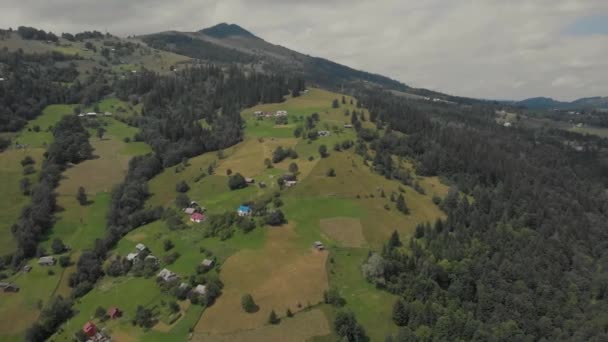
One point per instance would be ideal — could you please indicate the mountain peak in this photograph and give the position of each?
(224, 30)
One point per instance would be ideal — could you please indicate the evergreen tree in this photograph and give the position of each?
(394, 240)
(248, 304)
(400, 314)
(335, 104)
(323, 151)
(82, 196)
(401, 206)
(273, 318)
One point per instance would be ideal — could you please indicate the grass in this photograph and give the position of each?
(278, 276)
(19, 310)
(49, 117)
(302, 327)
(117, 107)
(12, 200)
(599, 131)
(347, 232)
(372, 307)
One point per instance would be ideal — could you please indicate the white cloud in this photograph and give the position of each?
(479, 48)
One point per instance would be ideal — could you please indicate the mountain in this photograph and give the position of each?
(229, 43)
(549, 103)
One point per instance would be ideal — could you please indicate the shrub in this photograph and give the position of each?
(182, 187)
(237, 181)
(248, 304)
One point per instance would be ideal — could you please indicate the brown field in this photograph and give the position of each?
(299, 328)
(348, 232)
(278, 276)
(248, 156)
(97, 175)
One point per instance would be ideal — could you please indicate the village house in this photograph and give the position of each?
(323, 133)
(290, 183)
(189, 211)
(167, 275)
(1, 79)
(262, 185)
(197, 217)
(107, 114)
(244, 210)
(81, 115)
(319, 245)
(89, 329)
(27, 268)
(200, 289)
(11, 288)
(8, 287)
(152, 258)
(281, 113)
(207, 263)
(91, 114)
(348, 126)
(184, 286)
(140, 247)
(507, 124)
(114, 313)
(249, 180)
(47, 261)
(258, 113)
(132, 256)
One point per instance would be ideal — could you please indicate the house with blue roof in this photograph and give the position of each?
(244, 210)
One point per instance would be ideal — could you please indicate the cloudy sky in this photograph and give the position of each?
(480, 48)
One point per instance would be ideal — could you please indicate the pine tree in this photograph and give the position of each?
(400, 314)
(82, 196)
(401, 206)
(273, 318)
(394, 240)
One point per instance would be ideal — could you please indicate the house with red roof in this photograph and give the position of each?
(89, 329)
(114, 313)
(197, 217)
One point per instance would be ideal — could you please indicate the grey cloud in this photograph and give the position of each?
(480, 48)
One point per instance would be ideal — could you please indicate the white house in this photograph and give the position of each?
(132, 256)
(200, 289)
(290, 183)
(91, 114)
(167, 275)
(140, 247)
(323, 133)
(281, 113)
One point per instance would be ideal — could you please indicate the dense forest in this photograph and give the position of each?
(523, 252)
(175, 106)
(30, 83)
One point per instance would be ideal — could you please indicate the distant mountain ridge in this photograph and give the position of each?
(549, 103)
(230, 43)
(224, 30)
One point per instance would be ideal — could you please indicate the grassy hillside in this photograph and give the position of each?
(76, 225)
(277, 265)
(125, 55)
